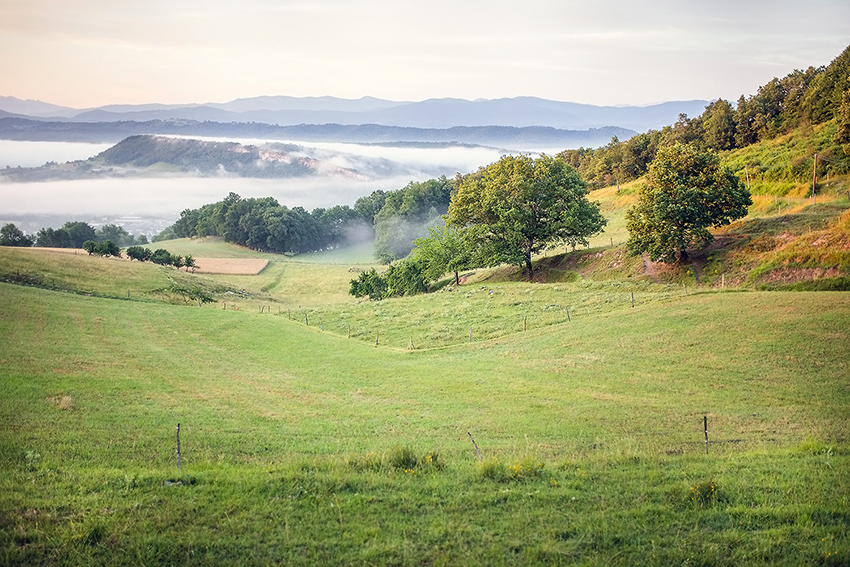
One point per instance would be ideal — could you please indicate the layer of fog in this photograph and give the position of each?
(147, 205)
(34, 154)
(419, 160)
(154, 203)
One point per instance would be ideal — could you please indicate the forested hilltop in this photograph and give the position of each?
(808, 98)
(393, 218)
(148, 155)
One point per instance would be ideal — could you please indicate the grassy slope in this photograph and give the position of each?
(591, 431)
(301, 446)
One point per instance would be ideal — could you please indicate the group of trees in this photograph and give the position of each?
(515, 208)
(394, 218)
(11, 235)
(406, 277)
(503, 213)
(265, 225)
(406, 214)
(73, 234)
(812, 96)
(103, 248)
(162, 257)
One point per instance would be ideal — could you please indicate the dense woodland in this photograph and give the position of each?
(810, 97)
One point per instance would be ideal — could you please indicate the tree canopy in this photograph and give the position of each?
(406, 214)
(520, 206)
(687, 191)
(446, 249)
(11, 235)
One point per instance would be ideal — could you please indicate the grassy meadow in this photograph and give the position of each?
(499, 422)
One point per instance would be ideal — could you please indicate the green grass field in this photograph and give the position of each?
(302, 446)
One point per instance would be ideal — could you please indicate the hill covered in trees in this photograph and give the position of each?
(814, 97)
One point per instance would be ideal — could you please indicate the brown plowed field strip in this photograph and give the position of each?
(230, 266)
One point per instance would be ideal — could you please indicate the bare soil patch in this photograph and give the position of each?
(230, 266)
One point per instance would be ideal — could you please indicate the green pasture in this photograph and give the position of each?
(302, 446)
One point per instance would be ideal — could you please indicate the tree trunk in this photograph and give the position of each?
(683, 256)
(529, 269)
(457, 278)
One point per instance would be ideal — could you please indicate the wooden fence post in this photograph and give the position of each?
(474, 444)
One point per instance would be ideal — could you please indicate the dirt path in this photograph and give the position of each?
(698, 259)
(649, 268)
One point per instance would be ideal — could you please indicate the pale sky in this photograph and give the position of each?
(85, 53)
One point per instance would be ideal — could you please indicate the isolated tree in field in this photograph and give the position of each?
(520, 205)
(687, 192)
(11, 235)
(108, 248)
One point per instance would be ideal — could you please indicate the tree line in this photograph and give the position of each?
(73, 234)
(264, 225)
(803, 97)
(394, 219)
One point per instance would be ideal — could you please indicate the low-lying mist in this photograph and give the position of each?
(103, 201)
(149, 204)
(33, 154)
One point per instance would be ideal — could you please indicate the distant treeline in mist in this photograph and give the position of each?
(809, 97)
(73, 234)
(394, 218)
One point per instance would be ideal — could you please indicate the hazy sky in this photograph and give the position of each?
(85, 53)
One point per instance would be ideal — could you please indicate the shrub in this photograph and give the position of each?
(402, 458)
(704, 494)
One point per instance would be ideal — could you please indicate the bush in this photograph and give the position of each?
(402, 458)
(139, 253)
(161, 256)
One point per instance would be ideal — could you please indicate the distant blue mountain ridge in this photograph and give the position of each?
(440, 113)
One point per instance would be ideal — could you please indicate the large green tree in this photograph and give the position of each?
(79, 232)
(686, 193)
(521, 205)
(446, 249)
(11, 235)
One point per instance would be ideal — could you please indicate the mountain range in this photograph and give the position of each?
(518, 112)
